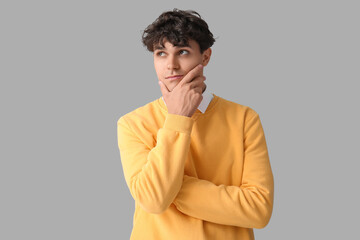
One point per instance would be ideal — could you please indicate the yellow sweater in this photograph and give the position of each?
(204, 177)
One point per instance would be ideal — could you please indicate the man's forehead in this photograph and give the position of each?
(159, 46)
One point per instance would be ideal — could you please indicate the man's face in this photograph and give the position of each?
(172, 63)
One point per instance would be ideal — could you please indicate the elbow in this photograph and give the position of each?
(261, 224)
(263, 219)
(154, 207)
(264, 211)
(152, 201)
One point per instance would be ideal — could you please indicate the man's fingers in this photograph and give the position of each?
(164, 90)
(204, 88)
(200, 89)
(195, 72)
(198, 81)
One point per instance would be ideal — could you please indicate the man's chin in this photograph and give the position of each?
(173, 86)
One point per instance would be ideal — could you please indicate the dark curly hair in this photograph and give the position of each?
(178, 27)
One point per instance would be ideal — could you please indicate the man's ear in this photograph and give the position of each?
(206, 56)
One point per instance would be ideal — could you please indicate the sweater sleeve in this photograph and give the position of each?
(248, 205)
(154, 176)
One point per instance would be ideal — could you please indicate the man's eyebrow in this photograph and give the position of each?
(181, 46)
(159, 47)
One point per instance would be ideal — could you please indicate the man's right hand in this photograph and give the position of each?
(186, 97)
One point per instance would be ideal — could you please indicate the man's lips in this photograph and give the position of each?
(174, 77)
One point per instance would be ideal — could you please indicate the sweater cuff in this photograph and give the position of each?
(178, 123)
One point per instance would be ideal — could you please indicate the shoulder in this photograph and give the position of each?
(141, 114)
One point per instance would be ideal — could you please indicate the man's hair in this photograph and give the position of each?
(178, 27)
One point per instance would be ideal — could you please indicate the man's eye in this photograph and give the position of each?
(184, 52)
(160, 53)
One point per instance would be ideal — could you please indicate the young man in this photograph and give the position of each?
(196, 164)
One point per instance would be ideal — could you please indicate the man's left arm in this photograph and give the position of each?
(248, 205)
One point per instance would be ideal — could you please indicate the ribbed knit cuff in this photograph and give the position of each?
(178, 123)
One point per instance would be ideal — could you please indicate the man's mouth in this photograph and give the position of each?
(174, 77)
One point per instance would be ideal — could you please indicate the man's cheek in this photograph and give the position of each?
(187, 72)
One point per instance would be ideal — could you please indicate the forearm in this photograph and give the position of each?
(246, 206)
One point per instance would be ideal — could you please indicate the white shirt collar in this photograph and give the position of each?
(207, 97)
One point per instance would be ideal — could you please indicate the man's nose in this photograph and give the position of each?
(172, 63)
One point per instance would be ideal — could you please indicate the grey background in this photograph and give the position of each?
(70, 69)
